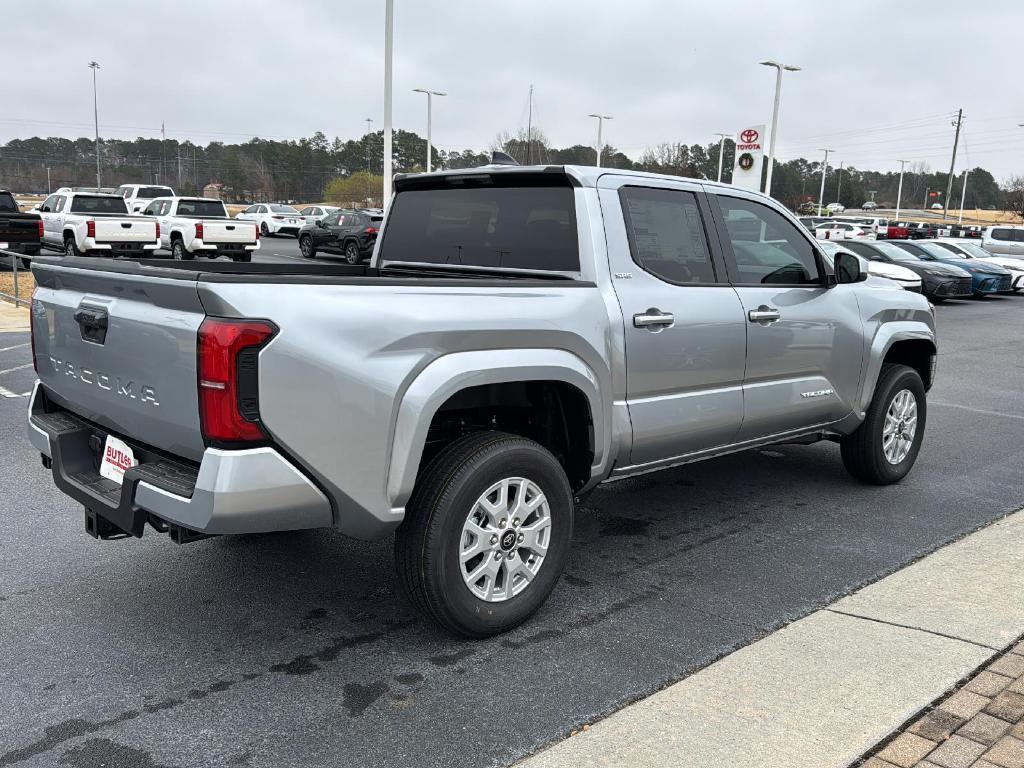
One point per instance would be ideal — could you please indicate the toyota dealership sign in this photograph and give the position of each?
(746, 171)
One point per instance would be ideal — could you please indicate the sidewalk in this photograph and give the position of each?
(13, 318)
(828, 689)
(981, 725)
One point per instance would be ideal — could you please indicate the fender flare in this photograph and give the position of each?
(449, 374)
(888, 334)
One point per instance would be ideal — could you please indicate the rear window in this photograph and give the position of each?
(86, 204)
(148, 193)
(7, 202)
(283, 209)
(524, 227)
(209, 208)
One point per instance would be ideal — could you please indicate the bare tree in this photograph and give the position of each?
(534, 149)
(1013, 195)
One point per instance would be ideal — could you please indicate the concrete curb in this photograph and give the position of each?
(827, 688)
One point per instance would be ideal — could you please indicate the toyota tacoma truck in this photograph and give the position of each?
(92, 223)
(520, 336)
(19, 232)
(199, 226)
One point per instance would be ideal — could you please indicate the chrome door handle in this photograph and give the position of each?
(653, 318)
(764, 314)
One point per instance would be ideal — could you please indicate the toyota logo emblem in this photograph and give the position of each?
(749, 136)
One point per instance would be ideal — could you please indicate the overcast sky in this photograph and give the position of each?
(880, 80)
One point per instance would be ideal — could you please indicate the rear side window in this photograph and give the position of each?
(666, 234)
(767, 248)
(1018, 235)
(1002, 234)
(82, 204)
(524, 227)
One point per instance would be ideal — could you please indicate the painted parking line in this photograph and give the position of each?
(16, 346)
(983, 411)
(16, 368)
(4, 392)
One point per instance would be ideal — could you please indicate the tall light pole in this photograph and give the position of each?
(899, 191)
(721, 152)
(369, 133)
(389, 37)
(824, 170)
(963, 196)
(430, 96)
(96, 116)
(600, 124)
(775, 116)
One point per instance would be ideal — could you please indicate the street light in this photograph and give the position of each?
(824, 170)
(430, 95)
(721, 152)
(775, 116)
(600, 124)
(96, 116)
(899, 191)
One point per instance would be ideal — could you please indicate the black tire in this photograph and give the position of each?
(243, 258)
(862, 451)
(263, 229)
(427, 543)
(70, 248)
(306, 247)
(179, 252)
(352, 252)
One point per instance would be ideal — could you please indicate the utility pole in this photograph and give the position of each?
(839, 183)
(721, 152)
(177, 151)
(369, 132)
(163, 142)
(529, 129)
(430, 95)
(389, 49)
(600, 124)
(963, 196)
(195, 169)
(47, 180)
(952, 162)
(775, 116)
(96, 116)
(824, 170)
(899, 191)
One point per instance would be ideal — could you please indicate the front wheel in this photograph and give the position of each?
(884, 448)
(352, 252)
(486, 534)
(306, 247)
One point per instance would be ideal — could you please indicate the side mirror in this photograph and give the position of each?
(850, 268)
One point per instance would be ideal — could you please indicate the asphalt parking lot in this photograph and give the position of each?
(295, 649)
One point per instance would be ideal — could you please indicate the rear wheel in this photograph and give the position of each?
(486, 534)
(179, 252)
(70, 249)
(306, 247)
(244, 258)
(884, 448)
(264, 230)
(352, 252)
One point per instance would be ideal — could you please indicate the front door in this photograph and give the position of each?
(805, 341)
(684, 330)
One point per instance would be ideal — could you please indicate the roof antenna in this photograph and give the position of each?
(501, 158)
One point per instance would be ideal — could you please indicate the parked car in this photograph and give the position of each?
(875, 224)
(835, 208)
(869, 205)
(971, 250)
(138, 196)
(87, 223)
(936, 206)
(314, 214)
(273, 218)
(1004, 240)
(898, 276)
(350, 233)
(811, 222)
(19, 232)
(916, 230)
(199, 226)
(985, 278)
(521, 336)
(938, 281)
(841, 230)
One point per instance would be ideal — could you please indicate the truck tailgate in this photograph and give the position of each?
(120, 350)
(125, 230)
(220, 231)
(18, 228)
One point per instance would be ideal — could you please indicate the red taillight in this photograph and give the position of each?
(279, 218)
(199, 230)
(227, 366)
(371, 230)
(257, 233)
(90, 228)
(158, 230)
(40, 225)
(37, 309)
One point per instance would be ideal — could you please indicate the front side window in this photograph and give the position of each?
(151, 209)
(767, 248)
(47, 206)
(666, 234)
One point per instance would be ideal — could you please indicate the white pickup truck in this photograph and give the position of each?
(80, 223)
(199, 226)
(138, 196)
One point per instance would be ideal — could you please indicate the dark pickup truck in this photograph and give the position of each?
(19, 232)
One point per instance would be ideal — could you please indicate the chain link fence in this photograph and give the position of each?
(16, 281)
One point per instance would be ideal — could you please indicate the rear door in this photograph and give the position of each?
(804, 340)
(684, 328)
(119, 349)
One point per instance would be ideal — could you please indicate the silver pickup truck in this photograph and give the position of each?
(520, 336)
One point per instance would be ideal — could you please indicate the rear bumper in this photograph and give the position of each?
(246, 491)
(240, 247)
